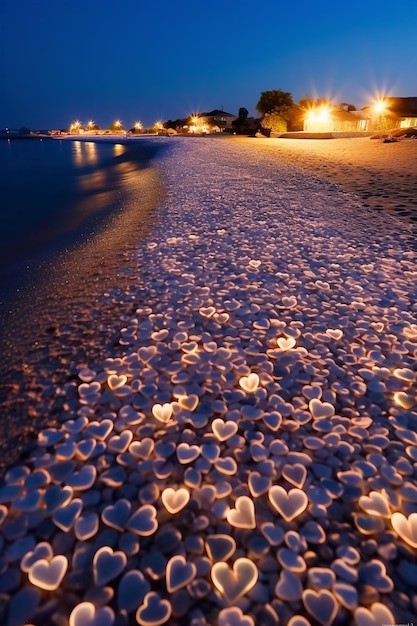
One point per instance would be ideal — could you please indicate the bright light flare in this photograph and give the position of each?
(138, 125)
(379, 106)
(320, 114)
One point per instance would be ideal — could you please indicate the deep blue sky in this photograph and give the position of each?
(148, 59)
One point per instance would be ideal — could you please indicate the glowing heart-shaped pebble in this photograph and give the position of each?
(243, 515)
(162, 412)
(65, 517)
(258, 484)
(289, 302)
(375, 504)
(42, 551)
(295, 474)
(405, 374)
(142, 449)
(224, 430)
(188, 403)
(405, 527)
(186, 453)
(234, 583)
(116, 515)
(179, 573)
(86, 526)
(334, 333)
(144, 521)
(99, 430)
(154, 611)
(375, 616)
(48, 574)
(289, 505)
(321, 605)
(114, 381)
(220, 547)
(405, 400)
(86, 614)
(207, 311)
(286, 343)
(249, 383)
(319, 409)
(233, 616)
(107, 565)
(175, 500)
(146, 354)
(119, 443)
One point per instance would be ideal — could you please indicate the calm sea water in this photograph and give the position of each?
(54, 192)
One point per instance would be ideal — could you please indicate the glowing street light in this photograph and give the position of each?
(75, 127)
(380, 106)
(138, 126)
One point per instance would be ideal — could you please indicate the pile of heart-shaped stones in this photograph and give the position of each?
(247, 453)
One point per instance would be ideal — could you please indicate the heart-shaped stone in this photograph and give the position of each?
(65, 517)
(120, 443)
(224, 430)
(288, 587)
(295, 474)
(249, 383)
(406, 527)
(375, 504)
(334, 333)
(234, 583)
(115, 381)
(289, 302)
(243, 515)
(220, 547)
(83, 479)
(289, 505)
(154, 611)
(107, 565)
(179, 573)
(162, 412)
(144, 521)
(142, 449)
(99, 430)
(116, 515)
(375, 616)
(286, 343)
(321, 605)
(146, 354)
(48, 575)
(233, 616)
(86, 614)
(86, 526)
(207, 311)
(175, 500)
(258, 484)
(403, 373)
(42, 551)
(320, 410)
(132, 590)
(189, 403)
(186, 453)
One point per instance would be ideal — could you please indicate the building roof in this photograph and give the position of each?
(402, 106)
(217, 113)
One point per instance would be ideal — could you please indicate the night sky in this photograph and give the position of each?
(62, 60)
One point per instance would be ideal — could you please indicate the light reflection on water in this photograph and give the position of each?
(56, 320)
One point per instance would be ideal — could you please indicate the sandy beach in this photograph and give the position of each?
(244, 452)
(383, 175)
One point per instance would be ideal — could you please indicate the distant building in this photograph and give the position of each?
(335, 120)
(218, 118)
(404, 110)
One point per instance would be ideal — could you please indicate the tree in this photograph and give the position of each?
(345, 106)
(274, 122)
(273, 100)
(241, 126)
